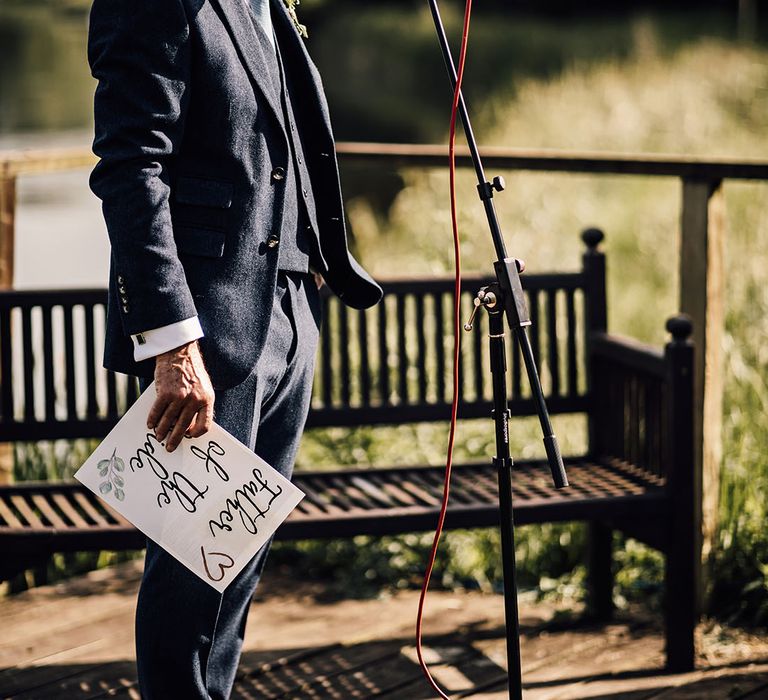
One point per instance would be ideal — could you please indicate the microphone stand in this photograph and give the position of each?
(504, 298)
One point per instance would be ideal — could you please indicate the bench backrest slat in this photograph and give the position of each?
(387, 364)
(52, 384)
(392, 363)
(631, 392)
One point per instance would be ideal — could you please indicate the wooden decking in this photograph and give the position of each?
(75, 641)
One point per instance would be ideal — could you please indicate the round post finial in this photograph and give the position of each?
(680, 326)
(592, 238)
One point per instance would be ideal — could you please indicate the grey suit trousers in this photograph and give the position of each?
(188, 636)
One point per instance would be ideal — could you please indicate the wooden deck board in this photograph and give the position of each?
(74, 641)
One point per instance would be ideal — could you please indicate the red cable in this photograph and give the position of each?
(456, 350)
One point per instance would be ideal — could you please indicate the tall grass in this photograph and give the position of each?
(709, 99)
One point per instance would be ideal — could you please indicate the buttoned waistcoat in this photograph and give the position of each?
(193, 150)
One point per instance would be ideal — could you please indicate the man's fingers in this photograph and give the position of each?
(202, 422)
(156, 412)
(183, 422)
(168, 419)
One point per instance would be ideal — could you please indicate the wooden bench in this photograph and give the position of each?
(391, 365)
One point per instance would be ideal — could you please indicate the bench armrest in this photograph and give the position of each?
(628, 352)
(630, 402)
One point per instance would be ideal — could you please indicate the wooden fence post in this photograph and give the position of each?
(7, 245)
(747, 19)
(7, 227)
(701, 297)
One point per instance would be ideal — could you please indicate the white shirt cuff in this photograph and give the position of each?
(159, 340)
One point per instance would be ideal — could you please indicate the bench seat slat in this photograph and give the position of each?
(68, 508)
(308, 507)
(26, 512)
(402, 497)
(83, 501)
(329, 498)
(460, 495)
(423, 495)
(351, 493)
(45, 507)
(373, 491)
(336, 493)
(9, 516)
(311, 502)
(474, 488)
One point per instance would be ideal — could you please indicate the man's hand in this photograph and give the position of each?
(184, 403)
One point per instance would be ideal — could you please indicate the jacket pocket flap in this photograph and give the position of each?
(203, 191)
(199, 241)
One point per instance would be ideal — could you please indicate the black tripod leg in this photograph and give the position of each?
(503, 463)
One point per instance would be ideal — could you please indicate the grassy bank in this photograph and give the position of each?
(707, 99)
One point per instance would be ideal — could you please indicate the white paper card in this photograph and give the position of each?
(211, 503)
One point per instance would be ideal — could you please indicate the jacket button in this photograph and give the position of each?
(125, 308)
(272, 241)
(278, 173)
(120, 279)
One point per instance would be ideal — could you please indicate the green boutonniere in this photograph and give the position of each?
(291, 5)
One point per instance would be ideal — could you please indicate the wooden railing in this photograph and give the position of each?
(700, 260)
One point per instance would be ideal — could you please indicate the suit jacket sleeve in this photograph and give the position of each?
(139, 51)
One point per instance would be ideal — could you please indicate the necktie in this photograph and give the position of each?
(261, 13)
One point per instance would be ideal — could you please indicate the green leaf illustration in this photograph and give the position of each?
(111, 460)
(114, 483)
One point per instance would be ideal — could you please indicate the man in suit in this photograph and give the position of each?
(220, 190)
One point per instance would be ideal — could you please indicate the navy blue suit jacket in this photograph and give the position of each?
(191, 141)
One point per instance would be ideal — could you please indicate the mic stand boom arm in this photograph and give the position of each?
(506, 268)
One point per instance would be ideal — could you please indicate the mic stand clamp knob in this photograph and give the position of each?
(483, 298)
(486, 189)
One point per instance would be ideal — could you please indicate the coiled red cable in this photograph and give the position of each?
(456, 350)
